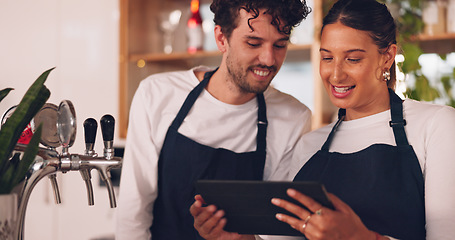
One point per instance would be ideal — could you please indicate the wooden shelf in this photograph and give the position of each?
(445, 36)
(163, 57)
(441, 43)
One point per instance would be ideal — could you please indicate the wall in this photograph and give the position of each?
(80, 39)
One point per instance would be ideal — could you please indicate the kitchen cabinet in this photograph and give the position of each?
(141, 52)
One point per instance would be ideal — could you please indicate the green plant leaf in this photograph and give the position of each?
(4, 92)
(11, 170)
(452, 103)
(443, 56)
(447, 84)
(28, 158)
(31, 103)
(415, 4)
(424, 90)
(410, 23)
(7, 174)
(412, 53)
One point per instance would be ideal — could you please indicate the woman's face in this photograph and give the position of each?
(351, 69)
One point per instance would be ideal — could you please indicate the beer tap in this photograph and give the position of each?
(48, 116)
(90, 127)
(107, 128)
(48, 161)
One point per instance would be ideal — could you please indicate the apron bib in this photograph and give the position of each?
(383, 184)
(182, 161)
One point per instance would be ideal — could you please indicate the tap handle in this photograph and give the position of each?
(107, 127)
(90, 127)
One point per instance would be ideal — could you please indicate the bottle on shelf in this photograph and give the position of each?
(434, 17)
(451, 16)
(194, 28)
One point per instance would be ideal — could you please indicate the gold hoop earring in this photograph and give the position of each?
(386, 76)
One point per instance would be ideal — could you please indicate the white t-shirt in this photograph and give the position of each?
(430, 130)
(209, 122)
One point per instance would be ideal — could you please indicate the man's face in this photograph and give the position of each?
(253, 57)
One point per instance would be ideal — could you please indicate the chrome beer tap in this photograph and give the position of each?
(107, 128)
(90, 127)
(48, 161)
(85, 163)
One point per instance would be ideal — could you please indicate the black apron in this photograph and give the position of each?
(182, 161)
(383, 184)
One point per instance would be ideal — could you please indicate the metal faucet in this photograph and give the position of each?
(48, 162)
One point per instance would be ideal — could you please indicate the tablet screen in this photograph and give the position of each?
(248, 204)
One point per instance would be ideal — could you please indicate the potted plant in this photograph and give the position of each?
(14, 167)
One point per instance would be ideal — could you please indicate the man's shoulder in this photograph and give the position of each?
(181, 79)
(168, 78)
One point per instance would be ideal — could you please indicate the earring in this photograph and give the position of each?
(386, 76)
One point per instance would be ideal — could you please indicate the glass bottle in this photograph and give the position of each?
(194, 28)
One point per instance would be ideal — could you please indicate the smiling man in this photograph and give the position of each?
(224, 123)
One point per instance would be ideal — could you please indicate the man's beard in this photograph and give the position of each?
(239, 77)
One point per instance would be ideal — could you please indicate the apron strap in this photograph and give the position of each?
(262, 125)
(190, 99)
(194, 94)
(398, 122)
(341, 116)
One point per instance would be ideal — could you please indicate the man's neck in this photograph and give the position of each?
(225, 90)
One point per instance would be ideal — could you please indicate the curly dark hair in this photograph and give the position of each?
(291, 12)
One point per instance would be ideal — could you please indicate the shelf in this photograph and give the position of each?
(441, 43)
(178, 56)
(448, 38)
(424, 37)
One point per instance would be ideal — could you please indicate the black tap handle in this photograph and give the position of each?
(107, 127)
(90, 127)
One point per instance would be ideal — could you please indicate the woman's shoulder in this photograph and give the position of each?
(315, 138)
(428, 116)
(426, 110)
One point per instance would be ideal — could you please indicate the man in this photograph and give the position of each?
(211, 124)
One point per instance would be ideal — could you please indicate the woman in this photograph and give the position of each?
(388, 162)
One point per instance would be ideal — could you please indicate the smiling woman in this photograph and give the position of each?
(385, 160)
(352, 70)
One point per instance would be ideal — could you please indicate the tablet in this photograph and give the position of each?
(248, 206)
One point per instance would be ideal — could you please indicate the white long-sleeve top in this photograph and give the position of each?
(209, 122)
(430, 130)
